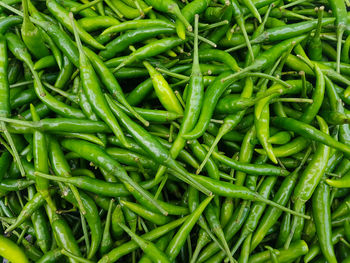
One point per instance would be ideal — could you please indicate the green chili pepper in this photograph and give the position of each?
(322, 218)
(31, 35)
(62, 15)
(11, 251)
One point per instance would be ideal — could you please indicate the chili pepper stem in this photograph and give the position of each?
(203, 39)
(236, 75)
(268, 77)
(78, 198)
(76, 10)
(241, 24)
(340, 32)
(13, 147)
(175, 9)
(285, 209)
(222, 131)
(77, 258)
(221, 237)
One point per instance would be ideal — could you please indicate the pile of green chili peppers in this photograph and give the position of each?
(174, 131)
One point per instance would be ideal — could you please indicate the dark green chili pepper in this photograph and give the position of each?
(122, 42)
(312, 110)
(34, 204)
(322, 218)
(179, 239)
(58, 125)
(31, 35)
(15, 184)
(255, 213)
(84, 202)
(19, 50)
(315, 248)
(153, 147)
(128, 247)
(310, 177)
(284, 230)
(315, 44)
(41, 163)
(152, 49)
(7, 22)
(309, 132)
(282, 196)
(232, 227)
(40, 223)
(51, 256)
(102, 159)
(45, 62)
(93, 92)
(296, 249)
(106, 242)
(63, 233)
(148, 247)
(111, 83)
(135, 24)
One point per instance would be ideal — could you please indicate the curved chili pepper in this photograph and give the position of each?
(309, 132)
(97, 22)
(31, 35)
(11, 251)
(7, 22)
(322, 218)
(151, 49)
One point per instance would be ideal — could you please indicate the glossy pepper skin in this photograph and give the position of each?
(322, 218)
(138, 138)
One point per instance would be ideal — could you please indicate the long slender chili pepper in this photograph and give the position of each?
(41, 163)
(255, 100)
(322, 219)
(101, 158)
(40, 224)
(153, 147)
(309, 132)
(180, 237)
(315, 44)
(134, 24)
(281, 197)
(93, 92)
(238, 15)
(310, 177)
(5, 108)
(193, 102)
(148, 247)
